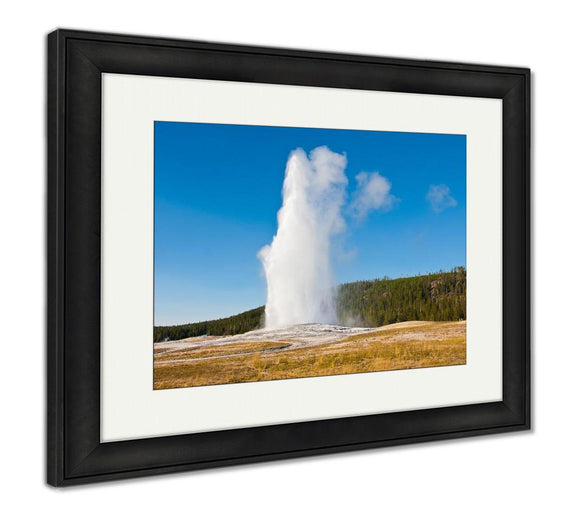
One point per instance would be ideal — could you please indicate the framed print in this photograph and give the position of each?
(259, 253)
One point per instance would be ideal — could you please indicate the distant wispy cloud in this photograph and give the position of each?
(373, 192)
(439, 196)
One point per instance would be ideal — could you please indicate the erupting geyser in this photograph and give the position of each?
(297, 263)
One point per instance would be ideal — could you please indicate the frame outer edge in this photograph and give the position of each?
(54, 258)
(199, 44)
(281, 456)
(528, 254)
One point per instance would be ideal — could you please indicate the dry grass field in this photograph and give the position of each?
(249, 358)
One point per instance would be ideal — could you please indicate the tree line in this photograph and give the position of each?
(234, 325)
(433, 297)
(371, 303)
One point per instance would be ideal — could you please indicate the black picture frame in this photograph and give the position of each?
(75, 62)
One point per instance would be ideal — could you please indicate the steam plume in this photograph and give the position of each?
(297, 263)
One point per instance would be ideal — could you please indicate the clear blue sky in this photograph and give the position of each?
(218, 189)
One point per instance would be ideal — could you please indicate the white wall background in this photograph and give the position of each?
(534, 468)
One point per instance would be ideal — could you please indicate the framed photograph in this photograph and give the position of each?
(259, 253)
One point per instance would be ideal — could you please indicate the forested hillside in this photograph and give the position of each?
(372, 303)
(245, 321)
(433, 297)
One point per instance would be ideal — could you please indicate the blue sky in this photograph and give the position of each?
(218, 189)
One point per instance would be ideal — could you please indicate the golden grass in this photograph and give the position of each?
(431, 345)
(218, 350)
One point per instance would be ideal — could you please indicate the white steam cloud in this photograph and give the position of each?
(297, 263)
(373, 192)
(439, 196)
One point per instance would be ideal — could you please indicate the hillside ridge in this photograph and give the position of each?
(367, 303)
